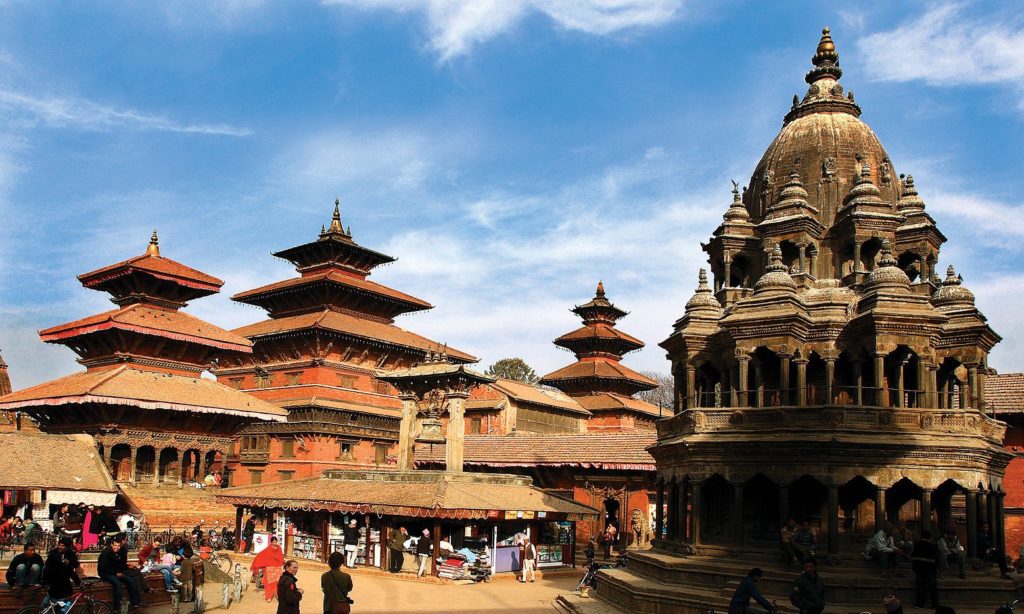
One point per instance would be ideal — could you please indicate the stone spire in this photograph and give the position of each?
(953, 293)
(887, 273)
(909, 201)
(776, 276)
(736, 211)
(703, 300)
(825, 60)
(5, 379)
(864, 192)
(154, 245)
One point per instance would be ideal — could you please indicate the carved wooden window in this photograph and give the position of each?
(287, 448)
(475, 426)
(346, 381)
(236, 382)
(285, 475)
(256, 476)
(381, 387)
(263, 381)
(380, 453)
(293, 378)
(345, 449)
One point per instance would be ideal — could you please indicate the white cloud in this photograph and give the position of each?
(64, 112)
(456, 26)
(947, 47)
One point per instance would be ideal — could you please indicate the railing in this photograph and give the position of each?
(818, 395)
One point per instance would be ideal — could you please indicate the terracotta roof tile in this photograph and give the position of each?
(1004, 393)
(124, 385)
(348, 325)
(611, 401)
(327, 403)
(598, 369)
(34, 461)
(538, 395)
(427, 494)
(158, 266)
(596, 450)
(600, 331)
(335, 277)
(154, 321)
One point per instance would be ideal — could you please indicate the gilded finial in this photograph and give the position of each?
(154, 245)
(336, 226)
(825, 60)
(600, 289)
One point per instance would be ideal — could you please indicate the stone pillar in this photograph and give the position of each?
(758, 383)
(1000, 526)
(156, 466)
(970, 394)
(858, 379)
(899, 384)
(803, 257)
(983, 516)
(801, 381)
(992, 517)
(833, 519)
(682, 519)
(202, 464)
(879, 364)
(926, 509)
(455, 439)
(691, 391)
(743, 392)
(180, 460)
(971, 505)
(406, 442)
(830, 380)
(106, 456)
(783, 504)
(879, 508)
(785, 393)
(734, 375)
(737, 509)
(857, 268)
(727, 270)
(695, 512)
(980, 386)
(133, 472)
(659, 505)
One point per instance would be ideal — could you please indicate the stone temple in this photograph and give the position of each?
(824, 371)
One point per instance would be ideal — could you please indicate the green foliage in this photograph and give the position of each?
(512, 368)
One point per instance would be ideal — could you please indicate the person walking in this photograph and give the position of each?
(351, 535)
(248, 531)
(396, 549)
(747, 590)
(808, 594)
(270, 560)
(529, 560)
(923, 562)
(288, 594)
(336, 585)
(424, 550)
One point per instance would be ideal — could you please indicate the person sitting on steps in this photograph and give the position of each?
(786, 537)
(804, 541)
(950, 550)
(881, 548)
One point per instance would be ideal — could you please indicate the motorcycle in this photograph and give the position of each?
(589, 579)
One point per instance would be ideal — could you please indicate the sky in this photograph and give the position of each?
(509, 153)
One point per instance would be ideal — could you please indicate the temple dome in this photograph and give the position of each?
(824, 140)
(776, 277)
(953, 292)
(703, 300)
(887, 273)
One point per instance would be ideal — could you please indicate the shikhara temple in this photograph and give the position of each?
(826, 368)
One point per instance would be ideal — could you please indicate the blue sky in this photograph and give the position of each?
(510, 154)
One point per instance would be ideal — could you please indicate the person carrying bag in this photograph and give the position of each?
(336, 585)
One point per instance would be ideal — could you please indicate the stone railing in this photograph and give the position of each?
(832, 418)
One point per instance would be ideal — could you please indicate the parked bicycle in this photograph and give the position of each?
(79, 602)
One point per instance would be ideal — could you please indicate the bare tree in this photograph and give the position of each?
(662, 395)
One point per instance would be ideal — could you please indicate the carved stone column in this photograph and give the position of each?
(1000, 526)
(673, 509)
(691, 383)
(695, 512)
(406, 443)
(833, 519)
(156, 465)
(857, 268)
(132, 470)
(801, 381)
(659, 506)
(899, 383)
(879, 508)
(785, 393)
(971, 507)
(202, 464)
(879, 364)
(734, 377)
(971, 394)
(926, 510)
(727, 271)
(830, 379)
(744, 365)
(455, 446)
(682, 505)
(180, 460)
(803, 257)
(758, 383)
(858, 379)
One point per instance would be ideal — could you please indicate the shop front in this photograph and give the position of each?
(467, 516)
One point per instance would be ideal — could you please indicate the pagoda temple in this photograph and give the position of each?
(829, 375)
(329, 335)
(597, 380)
(141, 396)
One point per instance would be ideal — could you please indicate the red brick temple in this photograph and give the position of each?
(329, 334)
(142, 397)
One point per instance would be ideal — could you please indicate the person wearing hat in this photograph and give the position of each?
(351, 534)
(424, 550)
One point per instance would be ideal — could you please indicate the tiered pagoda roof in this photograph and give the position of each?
(597, 380)
(147, 353)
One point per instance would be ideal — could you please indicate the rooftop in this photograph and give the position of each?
(35, 461)
(611, 451)
(1004, 393)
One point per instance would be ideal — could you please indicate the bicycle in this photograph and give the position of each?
(71, 604)
(1007, 608)
(221, 561)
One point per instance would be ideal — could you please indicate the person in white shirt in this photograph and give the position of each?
(882, 548)
(529, 560)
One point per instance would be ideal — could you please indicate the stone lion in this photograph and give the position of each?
(642, 533)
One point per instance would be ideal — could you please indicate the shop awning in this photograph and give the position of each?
(56, 497)
(422, 494)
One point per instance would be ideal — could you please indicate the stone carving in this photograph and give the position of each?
(828, 167)
(885, 172)
(641, 527)
(837, 90)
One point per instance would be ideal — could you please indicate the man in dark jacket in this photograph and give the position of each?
(336, 585)
(111, 569)
(25, 569)
(424, 550)
(923, 561)
(396, 549)
(351, 533)
(808, 593)
(288, 595)
(248, 531)
(59, 572)
(747, 590)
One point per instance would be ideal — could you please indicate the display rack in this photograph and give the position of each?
(307, 547)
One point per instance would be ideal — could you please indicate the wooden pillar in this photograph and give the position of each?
(830, 380)
(407, 425)
(801, 381)
(744, 366)
(369, 556)
(858, 379)
(786, 396)
(695, 512)
(659, 504)
(879, 508)
(455, 438)
(238, 529)
(971, 505)
(833, 519)
(437, 546)
(133, 475)
(737, 510)
(926, 509)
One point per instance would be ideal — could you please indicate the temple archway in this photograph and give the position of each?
(717, 515)
(903, 503)
(761, 508)
(121, 462)
(857, 505)
(169, 465)
(145, 463)
(807, 499)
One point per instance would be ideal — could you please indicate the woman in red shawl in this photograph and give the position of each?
(271, 561)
